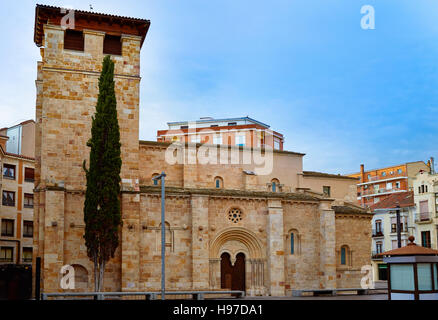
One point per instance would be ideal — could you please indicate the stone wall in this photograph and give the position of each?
(353, 231)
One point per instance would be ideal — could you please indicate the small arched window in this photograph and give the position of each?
(345, 256)
(155, 181)
(81, 277)
(293, 245)
(218, 183)
(169, 236)
(275, 185)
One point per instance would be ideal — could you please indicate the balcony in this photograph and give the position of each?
(374, 255)
(375, 192)
(377, 233)
(423, 217)
(388, 177)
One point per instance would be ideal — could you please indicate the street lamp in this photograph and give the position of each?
(163, 234)
(397, 212)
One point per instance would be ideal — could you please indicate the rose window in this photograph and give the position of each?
(235, 215)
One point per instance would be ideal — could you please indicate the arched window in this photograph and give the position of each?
(275, 185)
(155, 181)
(81, 277)
(169, 237)
(293, 245)
(345, 256)
(218, 183)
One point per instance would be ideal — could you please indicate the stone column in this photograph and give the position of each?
(327, 246)
(255, 272)
(215, 274)
(200, 254)
(53, 258)
(93, 42)
(130, 245)
(275, 249)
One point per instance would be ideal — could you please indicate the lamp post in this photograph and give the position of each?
(163, 234)
(397, 212)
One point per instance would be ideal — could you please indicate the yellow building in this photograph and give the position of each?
(425, 187)
(16, 188)
(384, 226)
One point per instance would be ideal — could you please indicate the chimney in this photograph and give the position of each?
(432, 165)
(362, 173)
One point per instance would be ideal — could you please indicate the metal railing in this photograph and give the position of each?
(387, 176)
(377, 233)
(379, 191)
(423, 217)
(196, 295)
(374, 255)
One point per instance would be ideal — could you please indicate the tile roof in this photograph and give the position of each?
(44, 13)
(327, 175)
(166, 144)
(15, 155)
(231, 193)
(403, 199)
(410, 250)
(349, 208)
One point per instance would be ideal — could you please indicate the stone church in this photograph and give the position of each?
(227, 224)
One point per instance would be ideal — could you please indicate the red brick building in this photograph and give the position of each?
(243, 131)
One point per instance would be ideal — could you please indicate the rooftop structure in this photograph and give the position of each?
(242, 131)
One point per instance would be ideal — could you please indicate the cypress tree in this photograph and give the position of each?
(102, 215)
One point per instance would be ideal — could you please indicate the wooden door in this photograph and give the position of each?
(239, 273)
(226, 271)
(233, 277)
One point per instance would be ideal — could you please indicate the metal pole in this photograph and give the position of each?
(38, 278)
(398, 227)
(163, 238)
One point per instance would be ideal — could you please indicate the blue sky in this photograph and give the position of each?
(340, 94)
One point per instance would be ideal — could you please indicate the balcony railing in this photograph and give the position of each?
(379, 191)
(388, 176)
(374, 255)
(423, 217)
(377, 233)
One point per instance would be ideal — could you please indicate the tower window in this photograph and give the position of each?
(343, 255)
(112, 45)
(219, 182)
(73, 40)
(292, 243)
(326, 191)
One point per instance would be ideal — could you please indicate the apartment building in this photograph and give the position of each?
(384, 227)
(377, 184)
(243, 131)
(16, 187)
(425, 188)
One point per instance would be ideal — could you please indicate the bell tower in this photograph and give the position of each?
(73, 44)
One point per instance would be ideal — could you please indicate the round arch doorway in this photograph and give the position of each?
(233, 274)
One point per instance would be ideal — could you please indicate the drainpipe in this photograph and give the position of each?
(398, 225)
